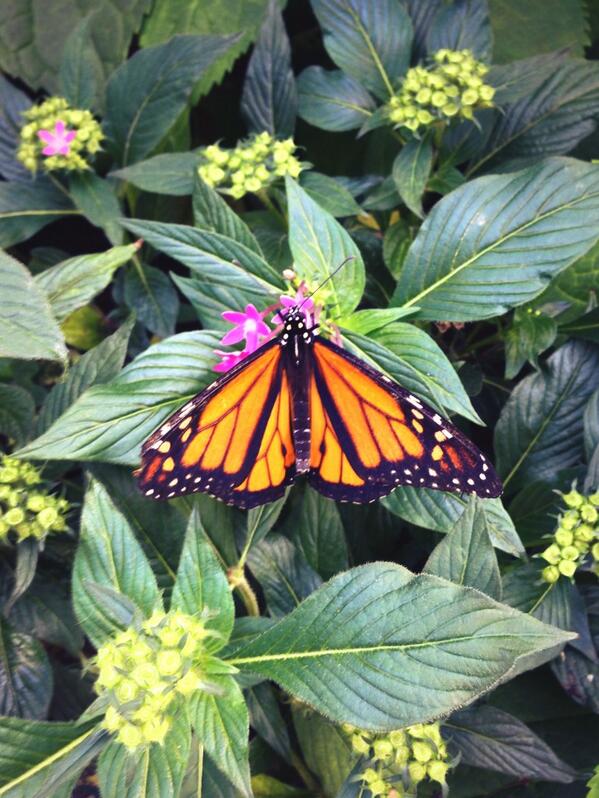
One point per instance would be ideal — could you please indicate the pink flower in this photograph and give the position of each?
(288, 302)
(229, 359)
(58, 142)
(249, 325)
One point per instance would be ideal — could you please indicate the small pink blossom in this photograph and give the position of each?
(249, 325)
(300, 299)
(229, 359)
(58, 141)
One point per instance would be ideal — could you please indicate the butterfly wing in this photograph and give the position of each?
(369, 435)
(233, 440)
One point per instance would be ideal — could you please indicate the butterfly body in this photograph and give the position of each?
(301, 405)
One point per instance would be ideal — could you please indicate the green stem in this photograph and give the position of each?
(238, 581)
(266, 200)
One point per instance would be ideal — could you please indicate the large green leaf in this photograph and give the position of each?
(152, 297)
(108, 555)
(96, 198)
(540, 429)
(156, 770)
(269, 99)
(25, 675)
(319, 534)
(267, 720)
(169, 17)
(465, 556)
(99, 365)
(147, 93)
(168, 173)
(411, 357)
(326, 749)
(551, 121)
(536, 27)
(27, 328)
(74, 282)
(212, 212)
(202, 587)
(319, 244)
(332, 100)
(491, 244)
(80, 76)
(464, 24)
(27, 207)
(36, 757)
(329, 194)
(369, 41)
(108, 423)
(14, 102)
(575, 287)
(221, 722)
(377, 646)
(411, 170)
(433, 509)
(529, 335)
(17, 410)
(492, 739)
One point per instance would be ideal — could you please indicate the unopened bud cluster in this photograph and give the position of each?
(144, 670)
(251, 166)
(451, 87)
(85, 144)
(26, 510)
(576, 536)
(401, 759)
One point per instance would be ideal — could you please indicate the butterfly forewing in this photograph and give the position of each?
(233, 440)
(370, 436)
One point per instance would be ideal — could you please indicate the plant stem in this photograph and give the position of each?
(238, 581)
(266, 200)
(307, 777)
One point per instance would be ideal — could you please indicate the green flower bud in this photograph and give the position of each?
(563, 537)
(422, 752)
(155, 730)
(573, 499)
(567, 568)
(359, 744)
(569, 519)
(486, 93)
(126, 690)
(569, 553)
(469, 97)
(130, 736)
(146, 675)
(370, 775)
(552, 554)
(402, 755)
(112, 720)
(252, 184)
(47, 517)
(36, 502)
(382, 749)
(397, 737)
(378, 787)
(108, 677)
(417, 772)
(14, 516)
(169, 662)
(424, 96)
(595, 551)
(438, 99)
(450, 109)
(551, 573)
(237, 191)
(437, 771)
(424, 117)
(594, 499)
(589, 513)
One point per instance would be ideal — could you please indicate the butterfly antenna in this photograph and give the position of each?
(325, 281)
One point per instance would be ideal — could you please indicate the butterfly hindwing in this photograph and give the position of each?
(370, 436)
(233, 440)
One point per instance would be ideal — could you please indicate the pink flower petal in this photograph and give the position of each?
(234, 336)
(234, 316)
(45, 135)
(59, 127)
(68, 137)
(50, 150)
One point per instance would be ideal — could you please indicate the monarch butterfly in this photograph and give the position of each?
(300, 404)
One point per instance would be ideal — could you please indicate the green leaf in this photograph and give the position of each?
(211, 212)
(261, 519)
(269, 99)
(411, 357)
(219, 521)
(201, 587)
(13, 103)
(96, 198)
(396, 245)
(540, 429)
(319, 534)
(33, 40)
(463, 25)
(411, 170)
(520, 31)
(221, 722)
(466, 556)
(109, 555)
(319, 244)
(325, 748)
(100, 365)
(146, 94)
(339, 648)
(283, 573)
(108, 423)
(575, 286)
(25, 675)
(169, 173)
(521, 78)
(38, 757)
(213, 257)
(151, 295)
(155, 771)
(27, 328)
(551, 121)
(80, 76)
(329, 194)
(169, 17)
(370, 42)
(365, 322)
(529, 336)
(591, 425)
(499, 231)
(75, 282)
(492, 739)
(586, 327)
(209, 301)
(267, 721)
(17, 410)
(27, 551)
(433, 509)
(332, 100)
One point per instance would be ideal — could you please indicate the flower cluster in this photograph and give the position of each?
(251, 166)
(57, 136)
(251, 327)
(453, 86)
(24, 509)
(401, 759)
(576, 536)
(144, 670)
